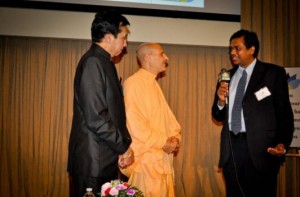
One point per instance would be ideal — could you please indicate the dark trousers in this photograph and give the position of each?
(80, 183)
(242, 178)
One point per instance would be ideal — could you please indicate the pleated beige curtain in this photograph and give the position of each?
(36, 96)
(35, 114)
(276, 23)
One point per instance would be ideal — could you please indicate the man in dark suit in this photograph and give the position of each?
(258, 125)
(99, 139)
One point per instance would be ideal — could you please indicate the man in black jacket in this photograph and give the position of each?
(258, 125)
(99, 139)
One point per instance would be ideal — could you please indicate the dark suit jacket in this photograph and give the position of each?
(99, 133)
(268, 121)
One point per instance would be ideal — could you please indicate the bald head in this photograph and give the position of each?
(152, 57)
(144, 50)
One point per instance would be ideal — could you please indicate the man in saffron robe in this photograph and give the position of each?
(154, 129)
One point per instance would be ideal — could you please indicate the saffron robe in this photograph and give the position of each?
(150, 122)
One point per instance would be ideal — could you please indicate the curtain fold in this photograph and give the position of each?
(36, 111)
(276, 24)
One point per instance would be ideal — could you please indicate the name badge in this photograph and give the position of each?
(262, 93)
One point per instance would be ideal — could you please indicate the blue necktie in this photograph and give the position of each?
(236, 114)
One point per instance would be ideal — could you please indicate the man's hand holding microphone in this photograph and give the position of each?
(223, 91)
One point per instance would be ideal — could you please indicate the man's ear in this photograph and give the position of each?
(252, 50)
(108, 38)
(148, 58)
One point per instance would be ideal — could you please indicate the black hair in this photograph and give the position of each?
(250, 39)
(107, 22)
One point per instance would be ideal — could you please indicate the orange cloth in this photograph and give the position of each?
(150, 122)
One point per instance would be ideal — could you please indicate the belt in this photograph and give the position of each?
(238, 135)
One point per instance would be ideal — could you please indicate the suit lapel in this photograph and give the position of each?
(256, 78)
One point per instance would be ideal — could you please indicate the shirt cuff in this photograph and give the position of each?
(219, 106)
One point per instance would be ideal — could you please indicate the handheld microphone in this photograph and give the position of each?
(224, 76)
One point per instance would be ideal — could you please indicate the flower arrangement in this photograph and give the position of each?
(117, 188)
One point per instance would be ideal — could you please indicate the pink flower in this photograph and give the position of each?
(130, 192)
(104, 188)
(118, 188)
(121, 187)
(114, 191)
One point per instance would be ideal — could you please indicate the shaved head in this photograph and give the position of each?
(144, 50)
(151, 56)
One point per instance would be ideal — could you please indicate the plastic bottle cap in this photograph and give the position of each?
(89, 189)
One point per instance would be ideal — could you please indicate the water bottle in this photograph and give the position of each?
(89, 193)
